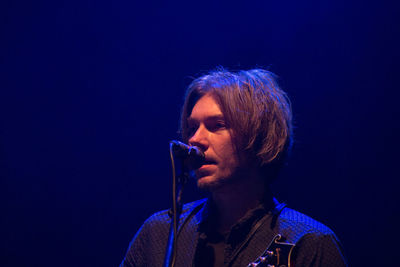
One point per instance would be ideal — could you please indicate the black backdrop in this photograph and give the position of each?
(91, 94)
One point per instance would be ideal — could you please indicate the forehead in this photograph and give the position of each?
(205, 107)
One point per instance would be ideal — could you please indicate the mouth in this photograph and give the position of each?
(208, 162)
(204, 167)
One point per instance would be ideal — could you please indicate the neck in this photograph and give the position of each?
(233, 201)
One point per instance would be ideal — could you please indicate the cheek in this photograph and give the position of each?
(230, 153)
(230, 159)
(223, 146)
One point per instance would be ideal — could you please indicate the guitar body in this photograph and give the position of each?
(277, 254)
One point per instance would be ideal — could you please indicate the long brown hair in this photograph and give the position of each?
(254, 107)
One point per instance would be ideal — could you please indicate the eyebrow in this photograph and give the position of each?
(213, 117)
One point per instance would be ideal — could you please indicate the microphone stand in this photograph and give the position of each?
(178, 183)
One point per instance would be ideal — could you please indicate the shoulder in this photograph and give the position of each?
(157, 225)
(148, 245)
(297, 224)
(163, 218)
(315, 242)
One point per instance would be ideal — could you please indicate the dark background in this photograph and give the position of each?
(91, 94)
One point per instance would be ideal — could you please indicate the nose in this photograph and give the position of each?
(199, 138)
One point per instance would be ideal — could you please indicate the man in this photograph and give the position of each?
(242, 123)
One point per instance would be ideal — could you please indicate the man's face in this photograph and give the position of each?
(209, 132)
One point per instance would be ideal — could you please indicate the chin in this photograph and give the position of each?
(209, 184)
(206, 183)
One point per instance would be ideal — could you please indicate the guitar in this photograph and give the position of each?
(277, 254)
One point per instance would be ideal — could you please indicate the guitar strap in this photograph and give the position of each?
(275, 213)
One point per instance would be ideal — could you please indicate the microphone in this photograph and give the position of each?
(193, 157)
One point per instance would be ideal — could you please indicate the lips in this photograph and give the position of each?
(209, 161)
(205, 167)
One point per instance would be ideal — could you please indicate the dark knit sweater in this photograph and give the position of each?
(316, 244)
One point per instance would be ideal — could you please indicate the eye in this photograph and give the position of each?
(216, 125)
(192, 128)
(220, 124)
